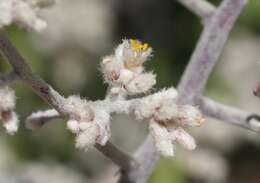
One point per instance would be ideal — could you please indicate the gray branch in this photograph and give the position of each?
(201, 8)
(229, 115)
(208, 50)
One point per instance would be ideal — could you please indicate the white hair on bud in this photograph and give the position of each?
(161, 138)
(73, 126)
(166, 111)
(125, 76)
(23, 12)
(5, 13)
(86, 139)
(11, 124)
(141, 83)
(79, 109)
(111, 69)
(102, 119)
(180, 136)
(7, 99)
(146, 107)
(189, 116)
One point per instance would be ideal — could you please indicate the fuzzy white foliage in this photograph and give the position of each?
(11, 124)
(7, 99)
(188, 116)
(79, 109)
(87, 138)
(73, 126)
(180, 136)
(7, 114)
(124, 70)
(162, 138)
(89, 121)
(23, 13)
(146, 107)
(141, 83)
(165, 117)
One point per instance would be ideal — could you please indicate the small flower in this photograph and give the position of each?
(166, 111)
(183, 138)
(124, 70)
(11, 123)
(147, 107)
(23, 13)
(141, 83)
(79, 109)
(73, 126)
(87, 138)
(7, 114)
(162, 138)
(132, 53)
(7, 99)
(188, 116)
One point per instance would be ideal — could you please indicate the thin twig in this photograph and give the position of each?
(38, 119)
(118, 157)
(201, 8)
(228, 114)
(22, 70)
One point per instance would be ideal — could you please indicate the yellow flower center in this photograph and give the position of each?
(137, 45)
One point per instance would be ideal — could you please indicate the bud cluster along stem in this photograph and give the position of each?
(125, 74)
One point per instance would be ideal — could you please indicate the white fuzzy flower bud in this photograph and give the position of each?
(5, 12)
(87, 138)
(7, 99)
(166, 111)
(23, 13)
(148, 106)
(73, 126)
(79, 109)
(91, 117)
(132, 53)
(141, 83)
(161, 138)
(111, 69)
(125, 76)
(183, 138)
(7, 114)
(188, 116)
(11, 124)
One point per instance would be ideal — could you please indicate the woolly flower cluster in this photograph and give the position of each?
(7, 114)
(124, 70)
(89, 121)
(124, 73)
(23, 13)
(166, 120)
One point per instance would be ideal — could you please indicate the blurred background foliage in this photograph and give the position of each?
(67, 55)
